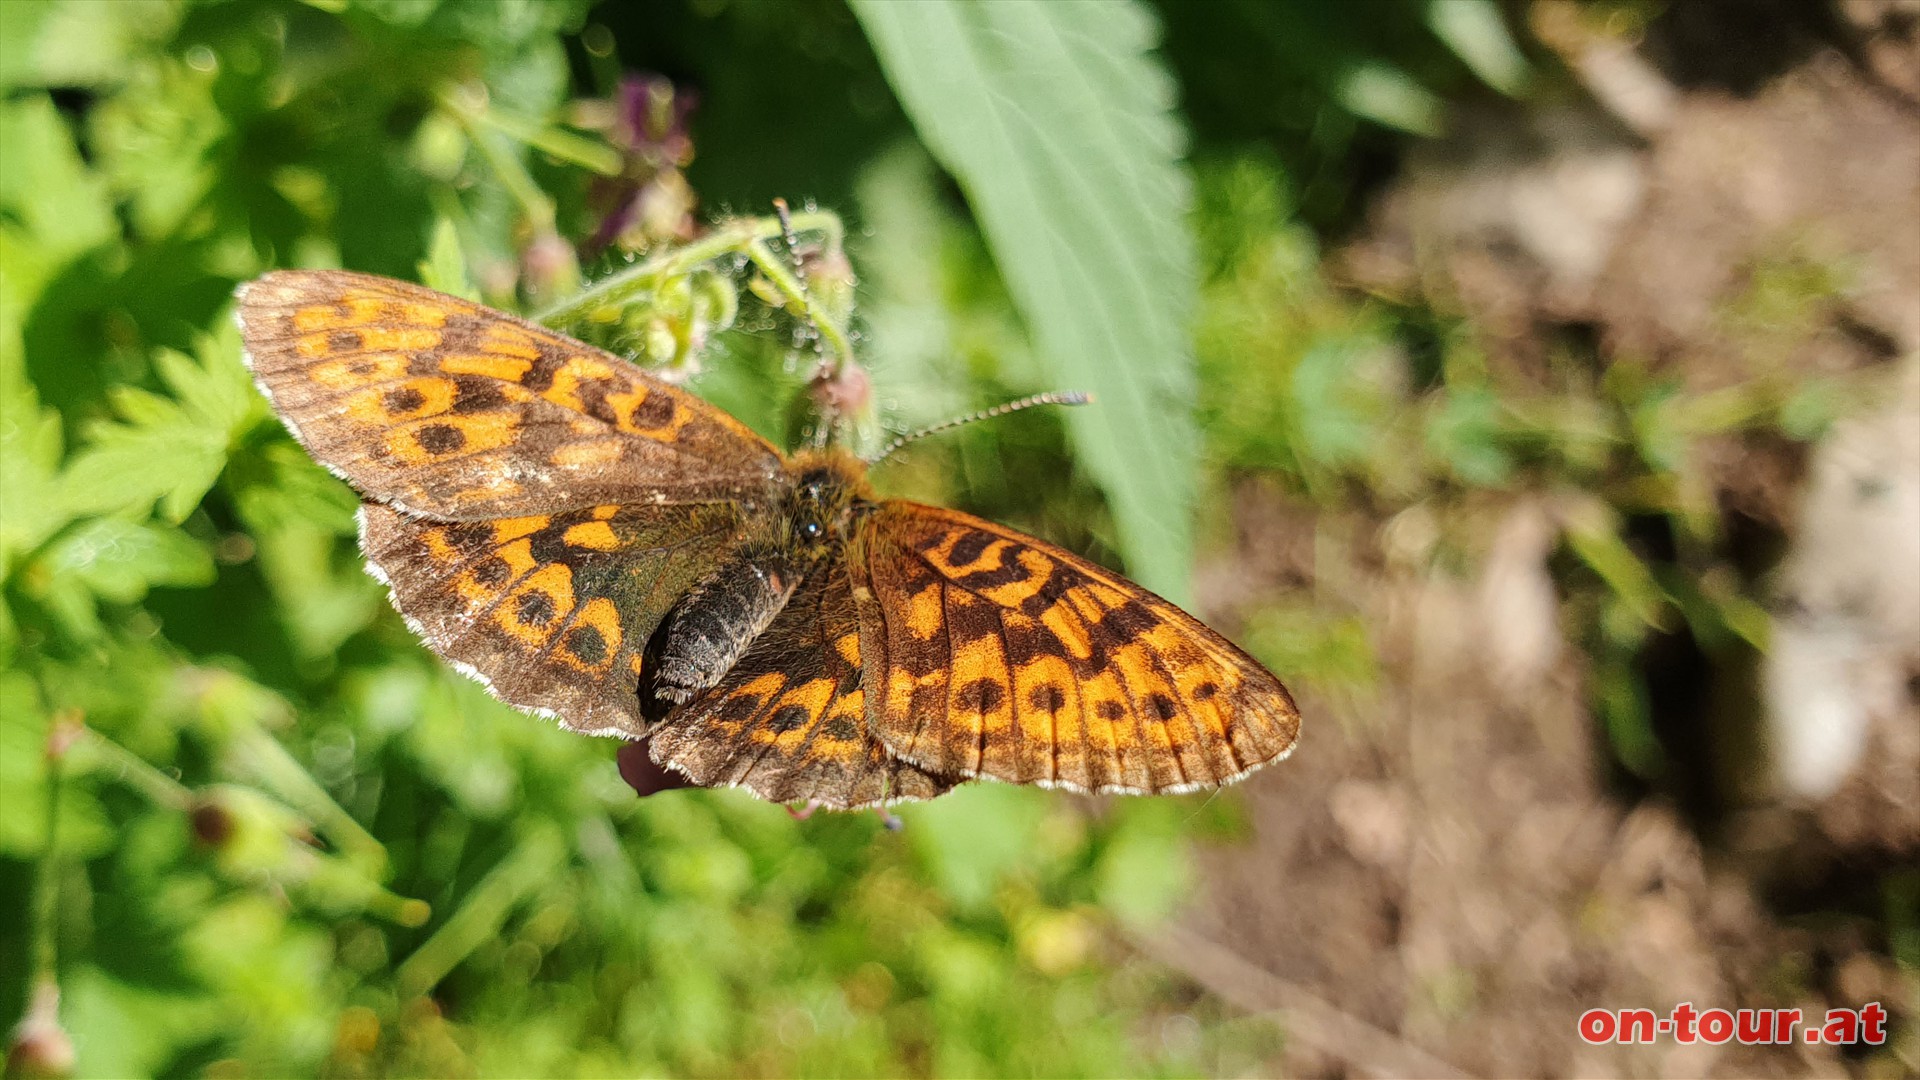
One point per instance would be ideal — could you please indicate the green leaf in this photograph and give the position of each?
(445, 267)
(1477, 34)
(120, 560)
(24, 724)
(1594, 535)
(131, 1030)
(169, 449)
(48, 193)
(31, 505)
(406, 13)
(48, 43)
(1464, 434)
(156, 146)
(1387, 95)
(974, 838)
(1057, 121)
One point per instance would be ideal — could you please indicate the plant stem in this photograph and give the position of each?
(746, 236)
(255, 751)
(46, 884)
(730, 238)
(565, 145)
(154, 784)
(506, 167)
(782, 277)
(485, 908)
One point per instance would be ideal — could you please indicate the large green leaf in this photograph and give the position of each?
(1057, 121)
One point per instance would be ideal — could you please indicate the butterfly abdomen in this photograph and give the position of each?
(716, 621)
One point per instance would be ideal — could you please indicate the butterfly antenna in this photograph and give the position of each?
(1054, 397)
(781, 211)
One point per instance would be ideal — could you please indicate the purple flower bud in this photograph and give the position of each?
(637, 768)
(650, 201)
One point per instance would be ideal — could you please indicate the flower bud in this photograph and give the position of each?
(638, 769)
(845, 393)
(40, 1047)
(830, 279)
(550, 268)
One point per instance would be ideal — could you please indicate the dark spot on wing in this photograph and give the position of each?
(737, 709)
(539, 377)
(1046, 697)
(470, 537)
(588, 644)
(440, 438)
(476, 394)
(980, 696)
(655, 411)
(536, 609)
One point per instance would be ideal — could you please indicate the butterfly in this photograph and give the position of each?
(598, 546)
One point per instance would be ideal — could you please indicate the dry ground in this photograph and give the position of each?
(1449, 871)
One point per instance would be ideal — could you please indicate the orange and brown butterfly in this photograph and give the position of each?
(601, 547)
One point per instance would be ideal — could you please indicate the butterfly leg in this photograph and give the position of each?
(718, 618)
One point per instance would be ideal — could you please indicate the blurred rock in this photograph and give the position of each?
(1519, 607)
(1847, 637)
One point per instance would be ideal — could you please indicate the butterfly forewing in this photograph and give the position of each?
(443, 407)
(994, 654)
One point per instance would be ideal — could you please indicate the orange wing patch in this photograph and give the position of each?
(448, 409)
(789, 721)
(551, 611)
(1008, 658)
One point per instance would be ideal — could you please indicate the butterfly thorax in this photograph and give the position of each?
(828, 495)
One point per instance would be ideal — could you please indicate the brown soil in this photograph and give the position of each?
(1447, 874)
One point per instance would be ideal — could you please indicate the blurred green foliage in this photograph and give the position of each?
(253, 827)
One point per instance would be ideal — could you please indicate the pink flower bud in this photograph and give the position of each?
(550, 266)
(40, 1046)
(843, 394)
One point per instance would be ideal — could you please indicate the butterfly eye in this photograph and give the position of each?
(811, 530)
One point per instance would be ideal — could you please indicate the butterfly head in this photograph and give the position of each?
(829, 490)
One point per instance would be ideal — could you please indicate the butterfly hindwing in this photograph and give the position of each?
(445, 408)
(998, 655)
(552, 611)
(789, 721)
